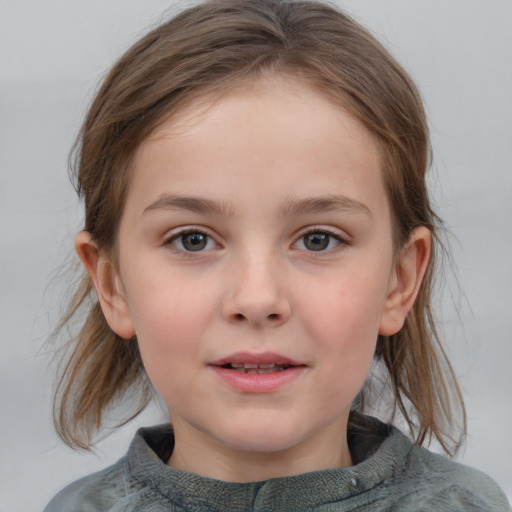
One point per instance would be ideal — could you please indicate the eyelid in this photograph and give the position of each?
(335, 232)
(183, 230)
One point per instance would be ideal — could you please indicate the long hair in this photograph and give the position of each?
(204, 51)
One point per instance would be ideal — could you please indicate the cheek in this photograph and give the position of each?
(167, 301)
(348, 307)
(170, 320)
(343, 319)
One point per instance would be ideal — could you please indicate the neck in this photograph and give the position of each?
(200, 454)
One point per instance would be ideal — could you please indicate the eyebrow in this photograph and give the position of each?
(291, 206)
(322, 204)
(192, 204)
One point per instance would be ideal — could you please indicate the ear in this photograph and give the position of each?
(406, 280)
(107, 283)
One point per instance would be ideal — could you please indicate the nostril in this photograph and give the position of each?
(272, 316)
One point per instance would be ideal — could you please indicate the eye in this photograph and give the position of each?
(192, 241)
(318, 241)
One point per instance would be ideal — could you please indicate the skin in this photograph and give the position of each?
(252, 168)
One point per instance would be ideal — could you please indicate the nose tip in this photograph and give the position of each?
(257, 297)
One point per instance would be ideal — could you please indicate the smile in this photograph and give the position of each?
(256, 368)
(257, 373)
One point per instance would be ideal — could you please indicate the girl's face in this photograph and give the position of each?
(256, 269)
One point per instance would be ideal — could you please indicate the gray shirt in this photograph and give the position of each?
(390, 474)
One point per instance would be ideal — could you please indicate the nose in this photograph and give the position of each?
(257, 293)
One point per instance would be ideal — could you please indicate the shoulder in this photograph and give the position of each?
(442, 484)
(122, 486)
(401, 476)
(96, 492)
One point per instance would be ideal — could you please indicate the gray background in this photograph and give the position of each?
(52, 54)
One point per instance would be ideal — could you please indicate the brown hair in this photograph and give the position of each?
(208, 49)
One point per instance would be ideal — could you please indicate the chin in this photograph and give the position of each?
(262, 438)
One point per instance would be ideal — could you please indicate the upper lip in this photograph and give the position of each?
(256, 358)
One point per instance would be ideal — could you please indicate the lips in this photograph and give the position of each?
(252, 361)
(253, 368)
(257, 373)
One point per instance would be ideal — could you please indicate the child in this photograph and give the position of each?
(258, 240)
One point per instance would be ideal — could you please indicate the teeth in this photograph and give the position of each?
(253, 368)
(252, 365)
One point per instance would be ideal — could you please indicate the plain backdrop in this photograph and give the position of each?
(52, 55)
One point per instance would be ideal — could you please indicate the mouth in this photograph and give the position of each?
(252, 363)
(258, 373)
(257, 368)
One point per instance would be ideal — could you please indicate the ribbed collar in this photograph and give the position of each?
(145, 466)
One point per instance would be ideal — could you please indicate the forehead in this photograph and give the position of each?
(270, 128)
(285, 87)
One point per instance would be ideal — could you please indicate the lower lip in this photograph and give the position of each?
(258, 382)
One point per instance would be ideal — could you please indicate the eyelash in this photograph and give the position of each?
(188, 231)
(323, 231)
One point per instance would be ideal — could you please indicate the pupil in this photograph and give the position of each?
(194, 241)
(316, 241)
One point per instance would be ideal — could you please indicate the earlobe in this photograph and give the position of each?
(406, 280)
(107, 283)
